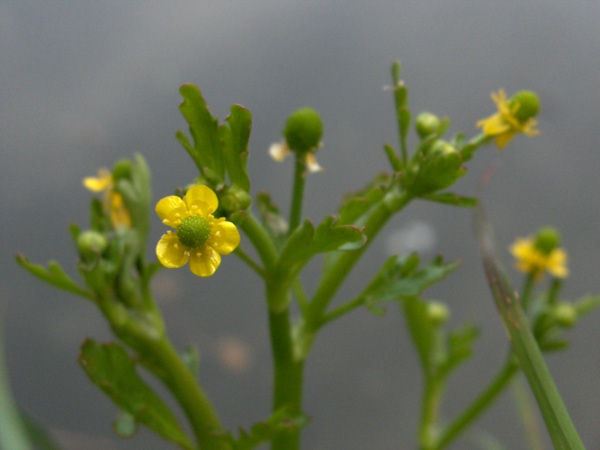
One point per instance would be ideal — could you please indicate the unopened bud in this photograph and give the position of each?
(91, 244)
(427, 124)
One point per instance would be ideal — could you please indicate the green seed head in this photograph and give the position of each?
(546, 240)
(303, 130)
(193, 231)
(529, 105)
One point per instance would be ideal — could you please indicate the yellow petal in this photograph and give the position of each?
(493, 125)
(170, 252)
(224, 237)
(201, 198)
(99, 183)
(171, 210)
(502, 140)
(204, 261)
(119, 215)
(312, 164)
(279, 151)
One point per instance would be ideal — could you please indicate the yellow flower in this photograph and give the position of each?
(507, 122)
(533, 261)
(113, 201)
(280, 150)
(199, 237)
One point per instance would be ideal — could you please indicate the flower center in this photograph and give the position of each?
(193, 231)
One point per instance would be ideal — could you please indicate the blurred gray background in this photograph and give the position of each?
(86, 83)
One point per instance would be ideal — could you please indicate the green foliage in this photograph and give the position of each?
(440, 353)
(54, 275)
(280, 421)
(234, 137)
(216, 150)
(306, 241)
(401, 278)
(112, 370)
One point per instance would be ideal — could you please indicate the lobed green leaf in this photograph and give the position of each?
(111, 368)
(54, 275)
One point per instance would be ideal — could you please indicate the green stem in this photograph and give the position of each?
(528, 414)
(298, 192)
(287, 368)
(527, 291)
(481, 402)
(288, 374)
(13, 434)
(194, 402)
(341, 267)
(432, 398)
(239, 251)
(342, 310)
(261, 241)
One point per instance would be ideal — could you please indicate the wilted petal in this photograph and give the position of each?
(279, 151)
(312, 164)
(170, 252)
(204, 261)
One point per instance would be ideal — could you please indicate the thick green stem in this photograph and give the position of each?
(483, 401)
(287, 368)
(288, 374)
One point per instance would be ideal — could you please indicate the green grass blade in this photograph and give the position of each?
(560, 427)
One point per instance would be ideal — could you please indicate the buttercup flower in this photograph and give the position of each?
(514, 116)
(537, 255)
(199, 237)
(113, 201)
(280, 150)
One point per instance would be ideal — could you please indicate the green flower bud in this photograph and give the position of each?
(564, 314)
(439, 168)
(91, 244)
(529, 105)
(235, 199)
(546, 240)
(427, 124)
(437, 312)
(303, 130)
(122, 169)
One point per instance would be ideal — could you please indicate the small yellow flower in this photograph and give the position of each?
(113, 201)
(506, 123)
(280, 150)
(532, 260)
(199, 237)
